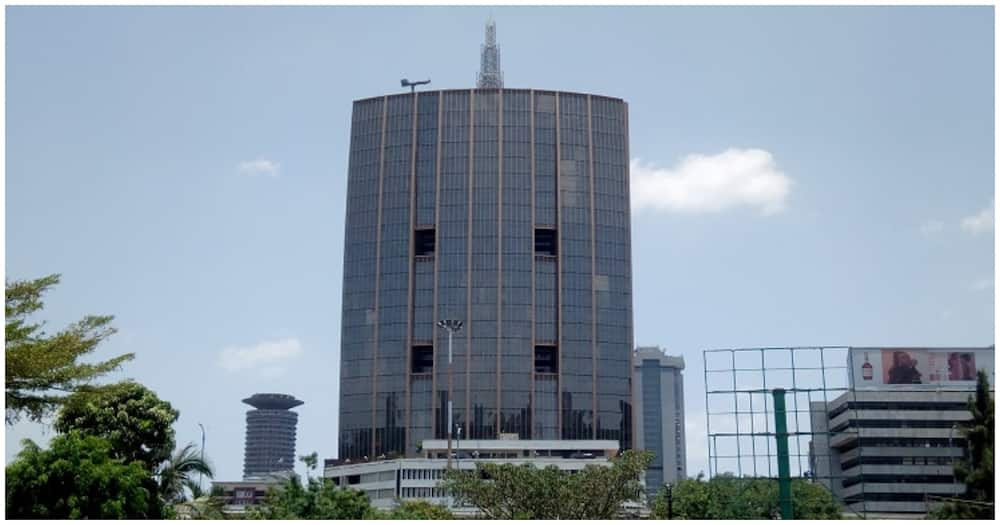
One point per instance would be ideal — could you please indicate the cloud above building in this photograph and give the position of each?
(256, 167)
(981, 222)
(733, 179)
(264, 354)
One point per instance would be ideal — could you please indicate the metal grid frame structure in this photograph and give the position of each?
(743, 438)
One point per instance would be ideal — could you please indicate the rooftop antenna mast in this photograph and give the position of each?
(490, 75)
(413, 85)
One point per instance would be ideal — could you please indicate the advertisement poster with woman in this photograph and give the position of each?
(919, 366)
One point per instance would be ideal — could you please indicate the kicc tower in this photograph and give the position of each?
(507, 209)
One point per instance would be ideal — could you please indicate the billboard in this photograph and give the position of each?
(918, 366)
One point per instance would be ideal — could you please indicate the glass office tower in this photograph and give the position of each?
(507, 209)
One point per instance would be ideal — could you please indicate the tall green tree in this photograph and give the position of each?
(977, 470)
(41, 369)
(508, 491)
(78, 477)
(133, 418)
(727, 497)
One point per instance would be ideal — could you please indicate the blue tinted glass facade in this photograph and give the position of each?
(507, 209)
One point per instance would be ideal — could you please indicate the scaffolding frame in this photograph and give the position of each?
(739, 384)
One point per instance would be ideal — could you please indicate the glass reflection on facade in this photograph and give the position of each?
(505, 208)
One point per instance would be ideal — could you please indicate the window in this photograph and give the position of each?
(422, 359)
(546, 360)
(545, 241)
(423, 242)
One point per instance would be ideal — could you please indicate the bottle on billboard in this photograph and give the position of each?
(866, 369)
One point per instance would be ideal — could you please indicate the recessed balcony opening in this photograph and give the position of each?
(545, 241)
(546, 360)
(422, 359)
(424, 242)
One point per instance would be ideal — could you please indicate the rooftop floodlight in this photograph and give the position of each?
(404, 82)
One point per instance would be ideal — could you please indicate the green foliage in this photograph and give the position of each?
(508, 491)
(130, 416)
(175, 475)
(311, 461)
(317, 499)
(813, 501)
(415, 510)
(976, 471)
(77, 478)
(138, 426)
(727, 497)
(41, 369)
(202, 505)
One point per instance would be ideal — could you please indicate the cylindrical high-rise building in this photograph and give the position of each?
(270, 443)
(507, 209)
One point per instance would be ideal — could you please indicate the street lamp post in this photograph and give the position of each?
(670, 500)
(458, 453)
(452, 326)
(202, 427)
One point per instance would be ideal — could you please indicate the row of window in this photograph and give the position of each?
(894, 496)
(898, 423)
(897, 460)
(425, 242)
(546, 359)
(905, 442)
(423, 492)
(422, 474)
(381, 494)
(897, 405)
(897, 478)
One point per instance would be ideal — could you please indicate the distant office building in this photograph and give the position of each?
(238, 495)
(887, 445)
(507, 209)
(388, 482)
(270, 442)
(658, 384)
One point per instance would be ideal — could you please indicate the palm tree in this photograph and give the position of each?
(176, 474)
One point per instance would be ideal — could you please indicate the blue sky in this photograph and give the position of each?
(810, 176)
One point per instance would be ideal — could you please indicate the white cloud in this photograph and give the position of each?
(980, 222)
(931, 227)
(711, 183)
(264, 353)
(259, 167)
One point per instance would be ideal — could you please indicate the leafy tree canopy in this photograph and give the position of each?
(136, 422)
(40, 368)
(317, 499)
(977, 470)
(508, 491)
(415, 510)
(76, 478)
(727, 497)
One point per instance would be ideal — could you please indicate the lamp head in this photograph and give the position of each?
(452, 325)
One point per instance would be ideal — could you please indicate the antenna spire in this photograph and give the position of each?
(490, 75)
